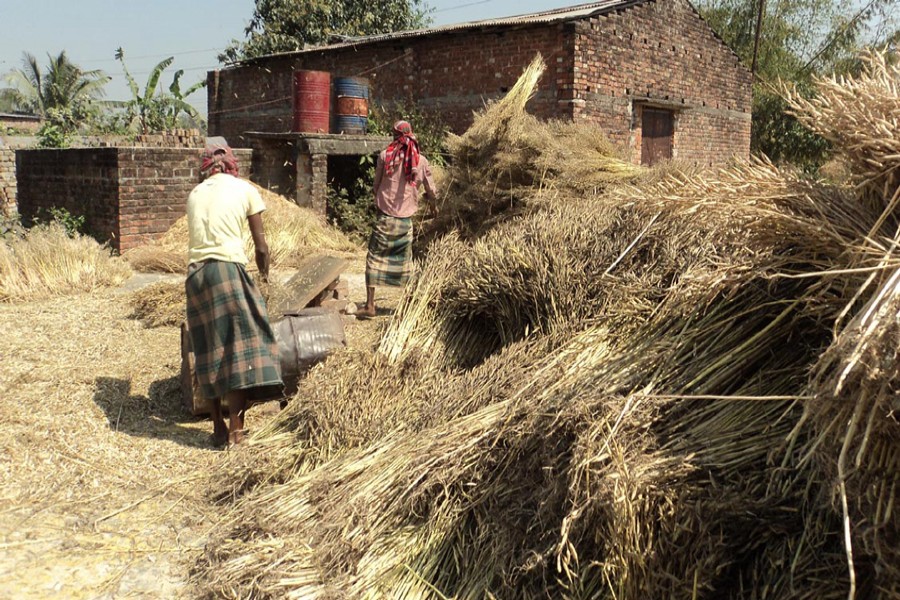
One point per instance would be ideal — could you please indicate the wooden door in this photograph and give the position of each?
(657, 132)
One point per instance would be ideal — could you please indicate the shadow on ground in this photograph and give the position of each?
(158, 415)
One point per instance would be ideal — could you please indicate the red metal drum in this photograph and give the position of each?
(312, 99)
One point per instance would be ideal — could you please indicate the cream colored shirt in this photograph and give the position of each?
(217, 212)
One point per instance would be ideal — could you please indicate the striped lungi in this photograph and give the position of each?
(232, 340)
(389, 261)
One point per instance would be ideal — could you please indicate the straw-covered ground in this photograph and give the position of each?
(606, 384)
(100, 463)
(102, 468)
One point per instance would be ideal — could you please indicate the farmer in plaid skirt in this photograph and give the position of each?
(234, 345)
(400, 174)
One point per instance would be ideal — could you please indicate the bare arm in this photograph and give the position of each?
(259, 243)
(428, 180)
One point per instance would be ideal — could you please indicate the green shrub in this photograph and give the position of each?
(72, 224)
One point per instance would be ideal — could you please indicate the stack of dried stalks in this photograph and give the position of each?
(47, 262)
(607, 398)
(159, 304)
(860, 117)
(506, 154)
(292, 232)
(855, 443)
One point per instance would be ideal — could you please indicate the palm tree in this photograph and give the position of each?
(62, 87)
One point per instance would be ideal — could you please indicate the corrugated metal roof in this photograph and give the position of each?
(569, 13)
(20, 116)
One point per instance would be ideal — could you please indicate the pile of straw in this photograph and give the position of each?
(46, 262)
(682, 388)
(159, 304)
(292, 232)
(506, 154)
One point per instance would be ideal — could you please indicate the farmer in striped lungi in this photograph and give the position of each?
(233, 342)
(400, 175)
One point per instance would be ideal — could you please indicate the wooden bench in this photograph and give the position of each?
(310, 286)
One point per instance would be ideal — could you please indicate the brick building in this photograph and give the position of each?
(651, 73)
(20, 123)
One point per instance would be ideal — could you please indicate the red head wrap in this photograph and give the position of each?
(404, 150)
(218, 158)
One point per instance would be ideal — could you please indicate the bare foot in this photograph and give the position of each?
(236, 437)
(366, 312)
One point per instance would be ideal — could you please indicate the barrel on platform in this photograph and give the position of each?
(351, 105)
(312, 101)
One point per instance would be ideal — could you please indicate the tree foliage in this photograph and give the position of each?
(152, 110)
(61, 88)
(290, 25)
(798, 39)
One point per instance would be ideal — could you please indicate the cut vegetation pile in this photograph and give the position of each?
(47, 262)
(682, 388)
(160, 304)
(507, 154)
(292, 232)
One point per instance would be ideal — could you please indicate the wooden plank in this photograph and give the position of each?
(312, 278)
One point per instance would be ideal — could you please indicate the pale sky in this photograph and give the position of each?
(193, 31)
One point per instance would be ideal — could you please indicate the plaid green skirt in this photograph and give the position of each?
(232, 340)
(389, 261)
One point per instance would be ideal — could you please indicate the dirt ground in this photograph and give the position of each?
(103, 472)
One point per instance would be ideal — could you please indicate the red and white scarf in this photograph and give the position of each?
(404, 150)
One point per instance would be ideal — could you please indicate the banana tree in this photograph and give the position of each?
(178, 104)
(149, 111)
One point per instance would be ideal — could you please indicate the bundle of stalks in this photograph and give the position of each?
(159, 304)
(860, 116)
(292, 232)
(854, 446)
(506, 152)
(481, 391)
(607, 401)
(152, 258)
(46, 262)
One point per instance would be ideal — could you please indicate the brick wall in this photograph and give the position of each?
(153, 186)
(179, 138)
(451, 73)
(82, 181)
(599, 70)
(663, 53)
(7, 180)
(128, 196)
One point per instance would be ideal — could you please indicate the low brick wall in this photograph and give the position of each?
(179, 138)
(7, 180)
(128, 196)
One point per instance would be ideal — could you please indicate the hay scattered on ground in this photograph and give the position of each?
(47, 262)
(680, 388)
(101, 466)
(292, 233)
(159, 304)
